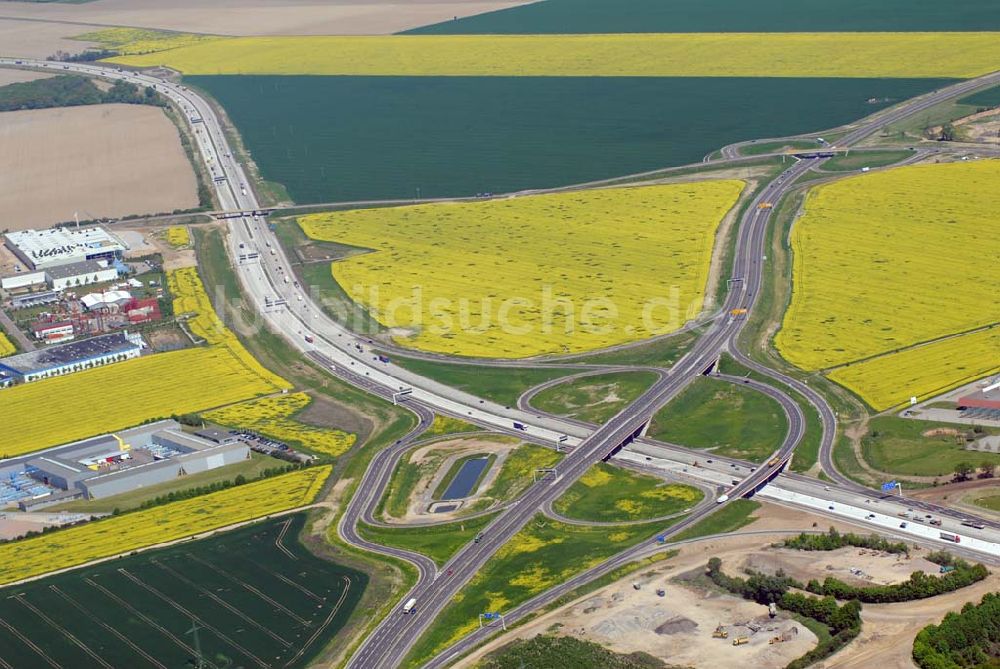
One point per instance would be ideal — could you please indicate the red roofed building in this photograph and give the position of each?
(987, 397)
(143, 311)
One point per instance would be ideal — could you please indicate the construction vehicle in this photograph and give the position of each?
(720, 633)
(122, 446)
(737, 312)
(660, 592)
(775, 639)
(765, 205)
(741, 640)
(946, 568)
(772, 610)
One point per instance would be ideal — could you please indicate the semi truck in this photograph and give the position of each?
(410, 606)
(954, 538)
(520, 426)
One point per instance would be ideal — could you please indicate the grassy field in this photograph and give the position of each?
(786, 146)
(918, 448)
(338, 139)
(734, 515)
(612, 494)
(438, 542)
(731, 420)
(168, 522)
(858, 55)
(274, 418)
(859, 159)
(991, 502)
(725, 16)
(594, 398)
(662, 352)
(258, 597)
(564, 651)
(989, 97)
(929, 214)
(540, 556)
(447, 425)
(555, 289)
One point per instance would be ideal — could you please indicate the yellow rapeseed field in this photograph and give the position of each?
(885, 261)
(533, 275)
(136, 41)
(178, 236)
(962, 54)
(190, 299)
(66, 408)
(132, 531)
(6, 348)
(272, 416)
(923, 371)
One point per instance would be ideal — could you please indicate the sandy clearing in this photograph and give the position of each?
(875, 567)
(885, 641)
(34, 39)
(100, 161)
(9, 76)
(260, 17)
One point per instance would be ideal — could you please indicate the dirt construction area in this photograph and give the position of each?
(678, 626)
(99, 161)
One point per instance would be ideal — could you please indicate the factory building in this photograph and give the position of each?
(983, 403)
(75, 274)
(72, 357)
(44, 249)
(114, 464)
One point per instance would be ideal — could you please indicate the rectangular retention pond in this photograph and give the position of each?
(466, 478)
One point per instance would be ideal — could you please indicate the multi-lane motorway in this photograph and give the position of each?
(287, 308)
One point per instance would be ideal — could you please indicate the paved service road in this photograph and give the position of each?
(262, 268)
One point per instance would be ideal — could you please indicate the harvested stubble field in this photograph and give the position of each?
(99, 160)
(132, 531)
(960, 55)
(876, 261)
(533, 275)
(260, 599)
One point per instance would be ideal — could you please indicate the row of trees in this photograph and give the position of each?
(962, 640)
(843, 622)
(965, 471)
(918, 586)
(72, 91)
(833, 540)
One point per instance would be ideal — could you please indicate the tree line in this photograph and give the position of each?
(918, 586)
(72, 91)
(965, 640)
(833, 540)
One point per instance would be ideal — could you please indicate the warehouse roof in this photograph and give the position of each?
(76, 269)
(57, 356)
(59, 245)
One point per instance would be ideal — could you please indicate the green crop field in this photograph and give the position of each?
(594, 398)
(859, 159)
(677, 16)
(989, 97)
(258, 597)
(337, 139)
(731, 420)
(612, 494)
(919, 448)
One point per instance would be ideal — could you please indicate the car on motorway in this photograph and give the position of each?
(903, 525)
(870, 516)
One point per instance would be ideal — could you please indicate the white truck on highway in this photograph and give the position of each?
(410, 606)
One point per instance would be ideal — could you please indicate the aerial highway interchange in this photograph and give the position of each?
(268, 283)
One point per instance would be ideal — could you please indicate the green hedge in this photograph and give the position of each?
(965, 640)
(833, 540)
(918, 586)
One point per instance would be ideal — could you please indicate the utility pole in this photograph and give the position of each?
(199, 660)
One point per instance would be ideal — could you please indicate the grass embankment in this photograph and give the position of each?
(438, 542)
(991, 502)
(662, 352)
(443, 425)
(514, 476)
(540, 556)
(731, 420)
(859, 159)
(594, 399)
(734, 515)
(499, 384)
(611, 494)
(921, 448)
(781, 146)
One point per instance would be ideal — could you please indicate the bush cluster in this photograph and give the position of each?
(833, 540)
(72, 91)
(918, 586)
